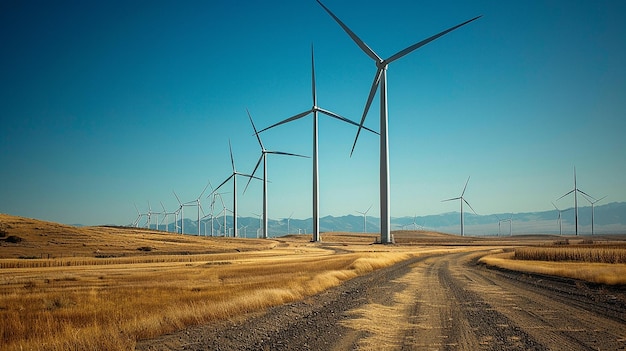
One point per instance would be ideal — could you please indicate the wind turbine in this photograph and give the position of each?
(260, 224)
(462, 200)
(380, 80)
(288, 220)
(592, 208)
(233, 176)
(365, 218)
(149, 216)
(263, 158)
(315, 110)
(139, 215)
(415, 225)
(559, 219)
(575, 191)
(181, 208)
(166, 215)
(199, 205)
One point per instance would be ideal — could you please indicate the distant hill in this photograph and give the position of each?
(608, 219)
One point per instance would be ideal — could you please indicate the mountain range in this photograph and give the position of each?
(608, 219)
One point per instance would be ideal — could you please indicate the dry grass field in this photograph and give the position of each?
(104, 288)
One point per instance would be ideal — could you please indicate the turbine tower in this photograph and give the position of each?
(315, 110)
(233, 176)
(575, 191)
(590, 199)
(380, 79)
(263, 158)
(462, 200)
(365, 218)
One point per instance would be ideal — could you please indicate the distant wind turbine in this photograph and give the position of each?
(139, 215)
(365, 218)
(575, 191)
(592, 202)
(315, 110)
(380, 79)
(462, 200)
(199, 204)
(181, 208)
(288, 220)
(263, 158)
(165, 216)
(233, 176)
(559, 219)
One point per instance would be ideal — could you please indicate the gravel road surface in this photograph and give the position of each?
(440, 302)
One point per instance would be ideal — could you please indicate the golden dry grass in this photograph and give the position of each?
(602, 273)
(97, 291)
(594, 254)
(85, 302)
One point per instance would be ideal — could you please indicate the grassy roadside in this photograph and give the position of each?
(602, 273)
(110, 307)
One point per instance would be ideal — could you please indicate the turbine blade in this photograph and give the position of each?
(569, 192)
(339, 117)
(465, 187)
(254, 171)
(293, 118)
(588, 196)
(283, 153)
(454, 198)
(426, 41)
(164, 210)
(258, 138)
(313, 77)
(470, 206)
(555, 206)
(366, 49)
(203, 190)
(224, 182)
(370, 97)
(232, 160)
(178, 199)
(249, 176)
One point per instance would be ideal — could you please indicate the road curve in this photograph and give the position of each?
(439, 302)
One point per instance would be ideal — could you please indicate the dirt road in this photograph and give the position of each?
(443, 302)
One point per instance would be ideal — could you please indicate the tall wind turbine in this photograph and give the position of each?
(462, 200)
(380, 80)
(263, 158)
(233, 176)
(575, 191)
(315, 110)
(590, 199)
(365, 218)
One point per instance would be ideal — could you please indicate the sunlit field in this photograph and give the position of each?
(102, 288)
(603, 262)
(108, 303)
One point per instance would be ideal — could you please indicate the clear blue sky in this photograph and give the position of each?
(106, 103)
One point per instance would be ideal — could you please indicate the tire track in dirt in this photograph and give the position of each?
(555, 322)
